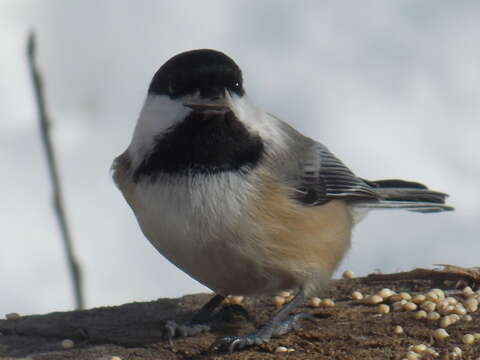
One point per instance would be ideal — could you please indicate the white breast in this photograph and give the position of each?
(201, 226)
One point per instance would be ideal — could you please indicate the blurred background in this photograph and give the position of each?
(392, 87)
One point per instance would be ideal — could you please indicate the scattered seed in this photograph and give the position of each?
(395, 298)
(236, 300)
(357, 295)
(428, 306)
(445, 322)
(420, 348)
(460, 310)
(289, 298)
(67, 344)
(412, 355)
(278, 301)
(409, 306)
(440, 334)
(432, 296)
(467, 318)
(398, 306)
(468, 339)
(328, 303)
(433, 316)
(315, 302)
(471, 305)
(467, 291)
(477, 337)
(405, 296)
(418, 299)
(284, 293)
(457, 351)
(291, 349)
(383, 309)
(386, 293)
(398, 329)
(348, 274)
(422, 314)
(280, 349)
(115, 358)
(451, 300)
(439, 292)
(373, 299)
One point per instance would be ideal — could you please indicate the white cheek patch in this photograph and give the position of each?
(158, 114)
(257, 121)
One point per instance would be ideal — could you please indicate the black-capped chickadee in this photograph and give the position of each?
(238, 199)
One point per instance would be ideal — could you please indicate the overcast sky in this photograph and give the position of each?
(392, 87)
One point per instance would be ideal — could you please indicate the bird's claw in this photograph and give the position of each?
(172, 329)
(263, 335)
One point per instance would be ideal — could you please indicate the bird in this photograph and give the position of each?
(240, 200)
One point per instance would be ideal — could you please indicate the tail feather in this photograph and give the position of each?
(412, 196)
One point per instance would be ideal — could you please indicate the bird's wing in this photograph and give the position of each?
(324, 177)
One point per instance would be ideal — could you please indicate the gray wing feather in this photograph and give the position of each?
(325, 178)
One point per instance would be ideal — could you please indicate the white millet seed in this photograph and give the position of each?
(440, 334)
(278, 301)
(328, 303)
(284, 293)
(236, 300)
(405, 296)
(412, 356)
(420, 348)
(457, 351)
(422, 314)
(439, 292)
(280, 349)
(357, 295)
(477, 337)
(428, 306)
(383, 309)
(115, 358)
(419, 299)
(409, 306)
(67, 344)
(315, 302)
(398, 306)
(467, 318)
(373, 299)
(398, 330)
(471, 305)
(443, 307)
(460, 310)
(445, 322)
(396, 298)
(291, 349)
(386, 293)
(348, 274)
(451, 300)
(12, 316)
(433, 316)
(467, 291)
(289, 298)
(432, 296)
(468, 339)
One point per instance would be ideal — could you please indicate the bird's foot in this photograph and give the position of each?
(201, 324)
(263, 335)
(173, 329)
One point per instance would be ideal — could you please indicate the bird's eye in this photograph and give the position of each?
(237, 84)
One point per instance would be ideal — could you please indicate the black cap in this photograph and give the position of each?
(206, 71)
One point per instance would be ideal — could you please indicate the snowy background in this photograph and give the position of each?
(392, 87)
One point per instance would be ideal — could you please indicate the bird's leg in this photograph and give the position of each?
(281, 323)
(198, 324)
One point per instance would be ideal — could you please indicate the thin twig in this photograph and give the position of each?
(75, 270)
